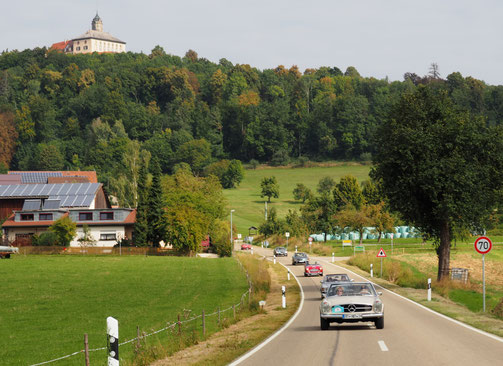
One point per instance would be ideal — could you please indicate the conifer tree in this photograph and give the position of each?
(141, 224)
(156, 218)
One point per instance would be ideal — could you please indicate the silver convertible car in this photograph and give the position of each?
(352, 302)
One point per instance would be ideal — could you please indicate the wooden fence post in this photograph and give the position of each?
(137, 337)
(219, 316)
(179, 326)
(234, 311)
(86, 349)
(204, 326)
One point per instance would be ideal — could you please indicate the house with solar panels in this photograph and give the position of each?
(29, 208)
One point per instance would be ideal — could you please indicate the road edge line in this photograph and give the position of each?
(279, 331)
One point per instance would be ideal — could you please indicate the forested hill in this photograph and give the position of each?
(98, 111)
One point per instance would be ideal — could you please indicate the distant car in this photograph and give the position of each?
(299, 258)
(246, 246)
(5, 251)
(313, 269)
(330, 279)
(280, 252)
(350, 302)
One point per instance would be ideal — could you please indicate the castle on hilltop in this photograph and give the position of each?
(94, 40)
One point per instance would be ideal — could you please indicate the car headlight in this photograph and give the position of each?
(378, 306)
(325, 307)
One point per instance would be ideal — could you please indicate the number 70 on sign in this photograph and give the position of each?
(483, 245)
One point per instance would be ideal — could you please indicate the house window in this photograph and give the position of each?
(27, 217)
(45, 216)
(85, 216)
(85, 47)
(78, 48)
(106, 215)
(108, 236)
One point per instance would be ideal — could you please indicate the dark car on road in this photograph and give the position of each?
(299, 258)
(330, 279)
(280, 252)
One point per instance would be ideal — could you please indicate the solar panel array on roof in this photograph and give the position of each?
(30, 205)
(69, 194)
(36, 177)
(51, 204)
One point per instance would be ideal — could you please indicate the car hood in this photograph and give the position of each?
(341, 300)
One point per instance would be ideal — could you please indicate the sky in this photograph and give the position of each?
(380, 38)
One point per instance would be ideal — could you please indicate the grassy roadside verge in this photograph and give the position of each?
(225, 346)
(438, 303)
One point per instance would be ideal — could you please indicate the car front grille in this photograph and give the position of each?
(356, 308)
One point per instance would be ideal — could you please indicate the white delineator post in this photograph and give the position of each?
(333, 257)
(288, 274)
(283, 300)
(113, 341)
(274, 260)
(371, 270)
(429, 289)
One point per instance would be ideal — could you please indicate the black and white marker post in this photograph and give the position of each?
(283, 300)
(113, 341)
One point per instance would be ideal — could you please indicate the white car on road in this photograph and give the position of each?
(352, 302)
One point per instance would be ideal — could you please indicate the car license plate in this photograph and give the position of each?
(352, 316)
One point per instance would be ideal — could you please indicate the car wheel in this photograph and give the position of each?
(379, 322)
(324, 324)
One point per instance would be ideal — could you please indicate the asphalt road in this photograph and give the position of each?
(412, 335)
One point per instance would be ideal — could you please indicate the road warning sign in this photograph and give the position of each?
(381, 254)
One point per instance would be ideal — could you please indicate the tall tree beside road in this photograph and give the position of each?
(270, 188)
(318, 213)
(348, 193)
(440, 166)
(155, 214)
(141, 224)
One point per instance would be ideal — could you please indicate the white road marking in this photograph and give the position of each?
(495, 337)
(383, 346)
(256, 349)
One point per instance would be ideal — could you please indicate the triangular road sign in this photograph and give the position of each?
(381, 254)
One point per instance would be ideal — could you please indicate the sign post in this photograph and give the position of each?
(381, 254)
(287, 234)
(391, 243)
(310, 242)
(483, 245)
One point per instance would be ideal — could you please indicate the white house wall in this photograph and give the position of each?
(96, 232)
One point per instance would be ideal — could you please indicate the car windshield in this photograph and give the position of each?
(351, 289)
(303, 255)
(336, 278)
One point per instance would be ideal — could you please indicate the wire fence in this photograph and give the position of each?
(173, 325)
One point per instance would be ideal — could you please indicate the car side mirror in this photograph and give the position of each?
(351, 280)
(379, 293)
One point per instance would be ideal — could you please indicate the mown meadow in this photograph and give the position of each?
(249, 206)
(49, 302)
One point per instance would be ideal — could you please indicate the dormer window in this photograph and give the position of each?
(45, 217)
(27, 217)
(85, 216)
(106, 215)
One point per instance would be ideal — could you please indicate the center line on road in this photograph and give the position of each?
(383, 346)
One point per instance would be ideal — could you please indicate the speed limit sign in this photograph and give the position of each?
(483, 245)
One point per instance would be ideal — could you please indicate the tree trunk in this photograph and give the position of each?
(444, 251)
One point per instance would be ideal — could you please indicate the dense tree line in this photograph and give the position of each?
(109, 111)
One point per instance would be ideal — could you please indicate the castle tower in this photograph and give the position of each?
(97, 24)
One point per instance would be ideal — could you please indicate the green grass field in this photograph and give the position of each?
(48, 303)
(249, 206)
